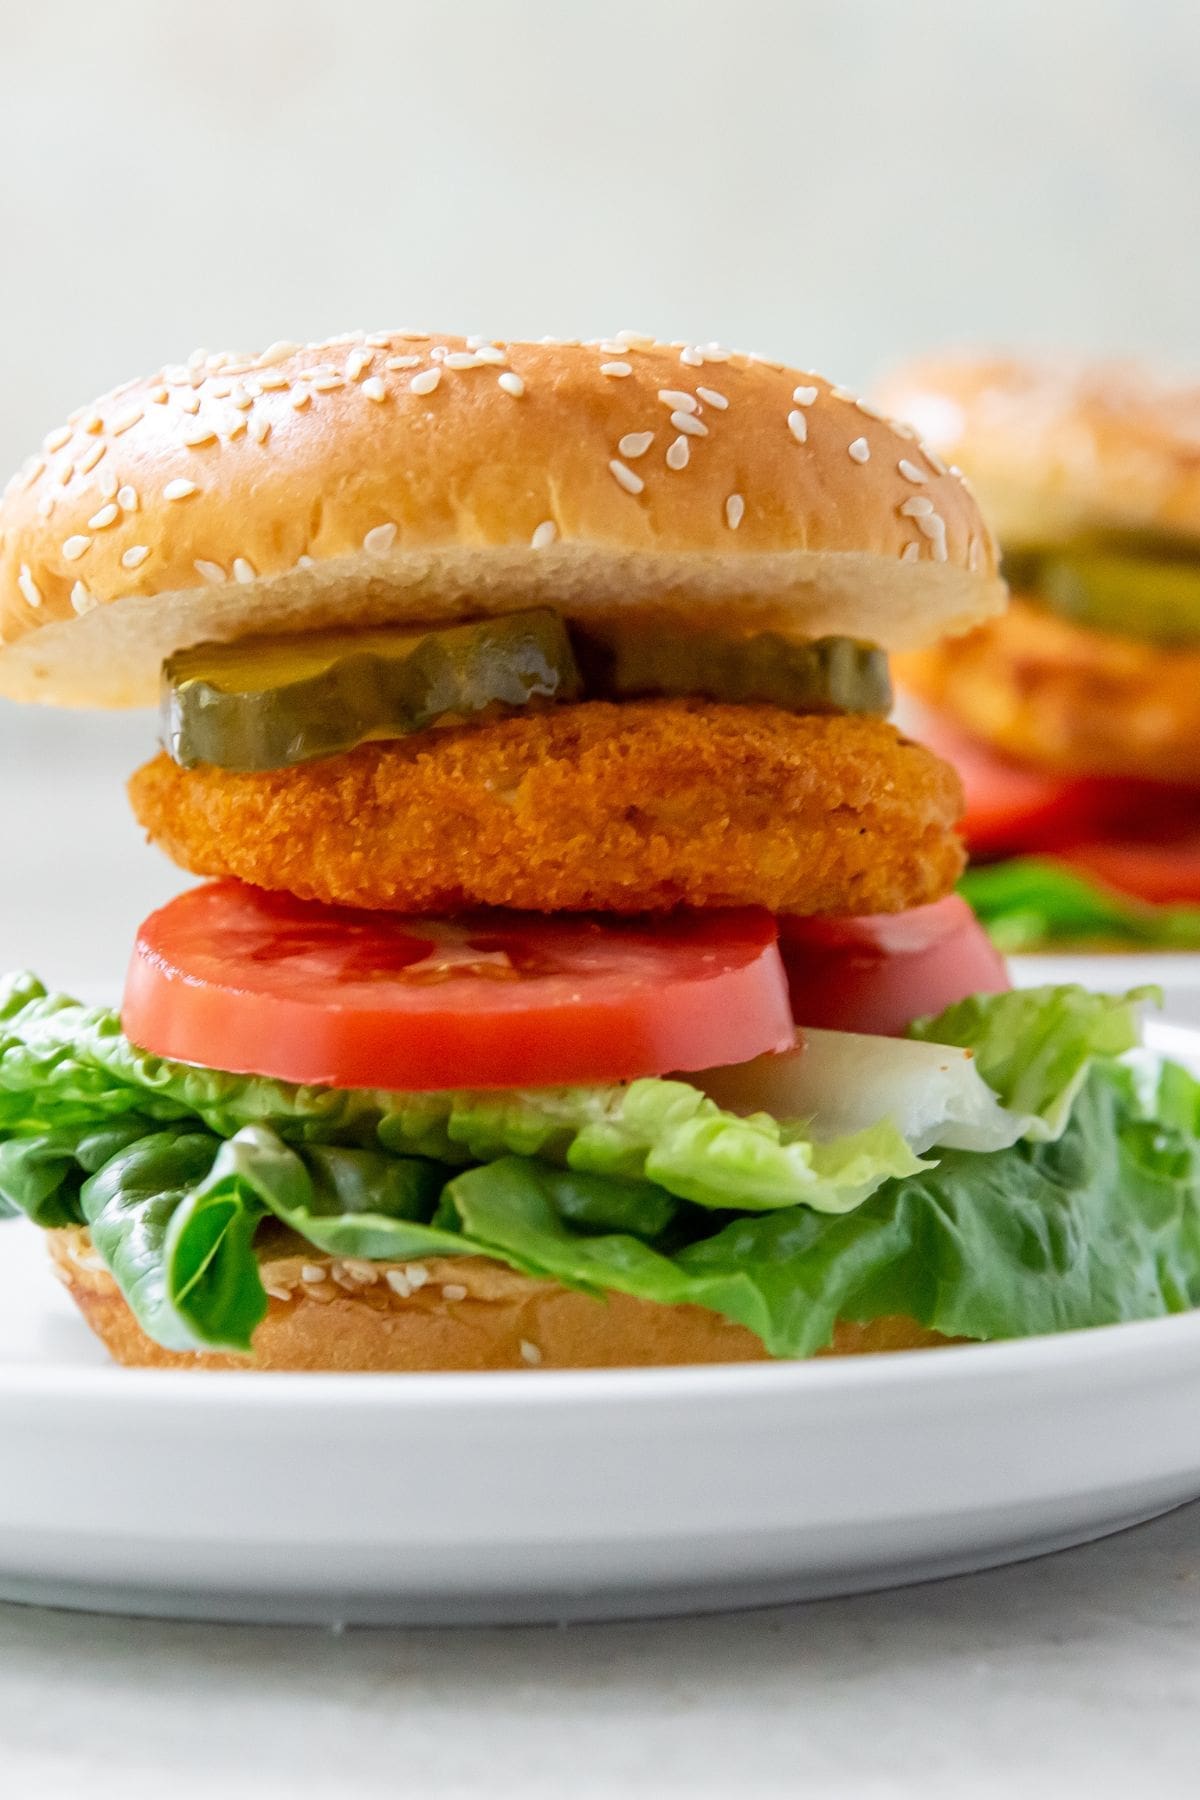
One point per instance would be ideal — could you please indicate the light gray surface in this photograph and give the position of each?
(839, 182)
(1078, 1675)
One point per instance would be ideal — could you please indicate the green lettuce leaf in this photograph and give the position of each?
(1034, 1046)
(62, 1064)
(1035, 903)
(1100, 1225)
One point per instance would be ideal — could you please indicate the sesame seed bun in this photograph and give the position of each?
(405, 478)
(1058, 450)
(446, 1313)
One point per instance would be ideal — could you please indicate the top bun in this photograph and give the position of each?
(1059, 449)
(402, 477)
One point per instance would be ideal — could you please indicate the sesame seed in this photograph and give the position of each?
(711, 398)
(135, 556)
(911, 552)
(910, 470)
(846, 394)
(916, 508)
(616, 368)
(108, 515)
(304, 562)
(687, 422)
(798, 426)
(692, 356)
(492, 354)
(412, 337)
(237, 425)
(197, 359)
(475, 341)
(126, 421)
(82, 598)
(374, 389)
(359, 1270)
(635, 340)
(633, 484)
(933, 459)
(872, 412)
(87, 462)
(425, 382)
(65, 467)
(260, 429)
(32, 470)
(715, 352)
(240, 398)
(176, 376)
(804, 396)
(28, 586)
(399, 1283)
(127, 498)
(860, 450)
(530, 1353)
(735, 511)
(243, 570)
(439, 352)
(453, 1290)
(211, 572)
(357, 364)
(300, 396)
(544, 534)
(275, 353)
(678, 452)
(678, 400)
(310, 1272)
(635, 443)
(92, 423)
(417, 1274)
(55, 440)
(402, 362)
(159, 396)
(272, 382)
(198, 434)
(75, 547)
(325, 384)
(46, 506)
(277, 1291)
(380, 340)
(179, 490)
(460, 359)
(512, 384)
(190, 404)
(108, 482)
(380, 537)
(221, 390)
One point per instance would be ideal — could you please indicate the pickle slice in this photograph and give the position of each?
(1154, 599)
(271, 702)
(824, 675)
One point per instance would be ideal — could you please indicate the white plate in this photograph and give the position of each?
(538, 1496)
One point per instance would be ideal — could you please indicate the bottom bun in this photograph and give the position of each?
(462, 1313)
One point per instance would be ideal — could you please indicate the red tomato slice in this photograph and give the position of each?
(1010, 808)
(234, 978)
(1166, 873)
(878, 974)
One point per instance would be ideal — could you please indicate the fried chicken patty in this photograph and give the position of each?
(1066, 697)
(596, 807)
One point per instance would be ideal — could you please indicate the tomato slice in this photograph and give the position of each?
(1165, 873)
(234, 978)
(1011, 808)
(878, 974)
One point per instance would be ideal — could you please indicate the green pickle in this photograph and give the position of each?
(274, 702)
(1157, 600)
(822, 675)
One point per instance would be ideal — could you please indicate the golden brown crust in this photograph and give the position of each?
(1067, 698)
(616, 808)
(317, 486)
(447, 1313)
(1056, 448)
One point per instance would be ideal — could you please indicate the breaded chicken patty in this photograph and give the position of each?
(1066, 697)
(614, 808)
